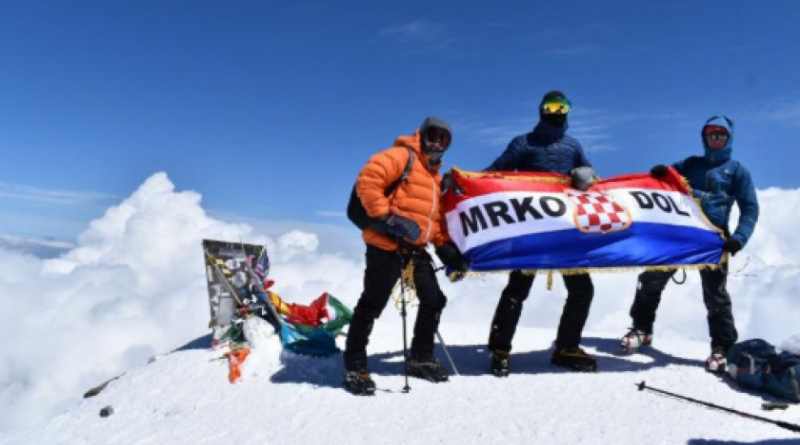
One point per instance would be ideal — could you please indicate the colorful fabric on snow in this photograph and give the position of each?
(535, 221)
(313, 315)
(312, 329)
(239, 272)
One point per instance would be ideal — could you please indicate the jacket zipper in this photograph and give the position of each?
(708, 176)
(433, 210)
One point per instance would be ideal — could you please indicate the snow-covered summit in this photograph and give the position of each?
(185, 398)
(134, 284)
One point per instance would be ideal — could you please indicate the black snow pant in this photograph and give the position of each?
(380, 276)
(580, 292)
(721, 327)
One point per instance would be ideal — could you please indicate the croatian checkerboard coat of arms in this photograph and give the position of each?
(597, 212)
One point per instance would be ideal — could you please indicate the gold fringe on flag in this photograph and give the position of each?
(595, 270)
(565, 180)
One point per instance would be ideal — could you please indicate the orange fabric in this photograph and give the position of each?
(418, 199)
(281, 306)
(235, 360)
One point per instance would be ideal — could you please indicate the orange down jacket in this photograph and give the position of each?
(418, 198)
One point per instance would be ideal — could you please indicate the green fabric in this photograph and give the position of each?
(234, 333)
(343, 317)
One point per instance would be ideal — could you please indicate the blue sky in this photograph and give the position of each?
(269, 109)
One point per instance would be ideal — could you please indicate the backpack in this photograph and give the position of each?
(356, 212)
(784, 381)
(756, 364)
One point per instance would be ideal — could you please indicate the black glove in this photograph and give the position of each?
(448, 183)
(401, 227)
(732, 245)
(659, 171)
(452, 257)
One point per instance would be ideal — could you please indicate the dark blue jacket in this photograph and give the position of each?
(545, 149)
(718, 181)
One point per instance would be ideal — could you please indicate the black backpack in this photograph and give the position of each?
(356, 212)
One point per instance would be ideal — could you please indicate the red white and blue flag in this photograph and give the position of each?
(536, 221)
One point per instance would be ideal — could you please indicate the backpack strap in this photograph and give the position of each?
(404, 176)
(409, 164)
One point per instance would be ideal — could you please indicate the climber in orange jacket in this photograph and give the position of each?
(403, 223)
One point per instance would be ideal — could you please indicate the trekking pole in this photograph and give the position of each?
(447, 353)
(406, 388)
(786, 425)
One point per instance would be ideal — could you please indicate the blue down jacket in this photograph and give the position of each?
(719, 181)
(545, 149)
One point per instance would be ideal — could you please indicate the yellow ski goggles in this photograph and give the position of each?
(560, 106)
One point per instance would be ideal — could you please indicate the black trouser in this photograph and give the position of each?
(380, 276)
(716, 297)
(576, 310)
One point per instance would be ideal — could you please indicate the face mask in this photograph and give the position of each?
(435, 142)
(435, 157)
(555, 120)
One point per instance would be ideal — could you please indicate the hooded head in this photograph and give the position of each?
(435, 136)
(553, 109)
(717, 136)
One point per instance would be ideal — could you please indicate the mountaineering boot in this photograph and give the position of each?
(359, 382)
(499, 363)
(574, 358)
(717, 362)
(427, 367)
(635, 339)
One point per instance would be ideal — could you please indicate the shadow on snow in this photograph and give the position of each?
(471, 360)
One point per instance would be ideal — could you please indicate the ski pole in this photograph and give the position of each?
(403, 314)
(447, 353)
(786, 425)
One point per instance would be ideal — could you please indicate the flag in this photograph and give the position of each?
(505, 221)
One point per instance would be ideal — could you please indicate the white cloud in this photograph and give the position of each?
(39, 247)
(494, 133)
(134, 286)
(792, 344)
(25, 223)
(419, 35)
(784, 109)
(594, 128)
(571, 51)
(330, 213)
(416, 31)
(22, 192)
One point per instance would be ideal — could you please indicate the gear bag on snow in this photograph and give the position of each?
(356, 212)
(758, 365)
